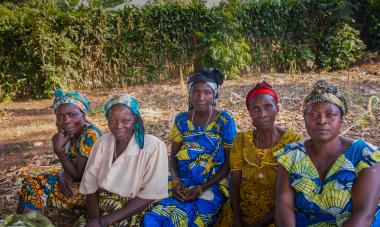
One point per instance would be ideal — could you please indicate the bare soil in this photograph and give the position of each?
(27, 126)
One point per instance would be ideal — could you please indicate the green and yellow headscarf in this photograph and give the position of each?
(322, 92)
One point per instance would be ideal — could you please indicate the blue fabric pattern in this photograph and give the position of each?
(326, 203)
(200, 157)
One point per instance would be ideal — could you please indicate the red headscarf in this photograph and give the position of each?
(259, 89)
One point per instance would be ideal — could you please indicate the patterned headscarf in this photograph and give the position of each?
(324, 93)
(259, 89)
(132, 104)
(213, 77)
(78, 99)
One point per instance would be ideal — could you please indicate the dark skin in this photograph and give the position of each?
(70, 122)
(201, 96)
(323, 122)
(263, 111)
(120, 123)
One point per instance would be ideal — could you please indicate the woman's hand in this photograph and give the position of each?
(178, 189)
(59, 140)
(65, 182)
(193, 193)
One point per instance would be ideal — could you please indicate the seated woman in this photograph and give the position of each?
(47, 187)
(329, 179)
(253, 168)
(127, 169)
(201, 141)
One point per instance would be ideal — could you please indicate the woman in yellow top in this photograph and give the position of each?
(253, 168)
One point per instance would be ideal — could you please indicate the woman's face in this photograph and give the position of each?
(201, 96)
(263, 111)
(323, 121)
(120, 121)
(70, 119)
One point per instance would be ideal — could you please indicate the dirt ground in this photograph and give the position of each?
(27, 126)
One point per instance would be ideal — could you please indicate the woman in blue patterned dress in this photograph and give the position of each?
(199, 162)
(327, 180)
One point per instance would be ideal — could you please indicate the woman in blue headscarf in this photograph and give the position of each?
(199, 162)
(57, 186)
(127, 169)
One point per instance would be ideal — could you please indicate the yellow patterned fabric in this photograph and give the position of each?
(328, 202)
(40, 188)
(258, 176)
(110, 202)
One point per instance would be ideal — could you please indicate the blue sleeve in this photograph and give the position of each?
(228, 131)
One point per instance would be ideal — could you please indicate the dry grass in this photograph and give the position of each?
(161, 102)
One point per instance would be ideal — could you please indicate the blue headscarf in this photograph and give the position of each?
(71, 97)
(131, 103)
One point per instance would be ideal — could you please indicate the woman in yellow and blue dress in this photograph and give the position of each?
(329, 179)
(199, 162)
(57, 186)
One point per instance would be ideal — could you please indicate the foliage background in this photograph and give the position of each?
(47, 44)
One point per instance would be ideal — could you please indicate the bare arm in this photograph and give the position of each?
(284, 205)
(235, 196)
(92, 205)
(365, 197)
(74, 169)
(173, 166)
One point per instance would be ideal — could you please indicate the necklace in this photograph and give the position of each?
(261, 153)
(114, 155)
(208, 119)
(258, 135)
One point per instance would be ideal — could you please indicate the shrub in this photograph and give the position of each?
(342, 47)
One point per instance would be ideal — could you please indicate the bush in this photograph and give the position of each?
(34, 59)
(342, 47)
(48, 44)
(225, 45)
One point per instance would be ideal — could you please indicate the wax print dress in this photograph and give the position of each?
(326, 203)
(40, 188)
(200, 157)
(258, 168)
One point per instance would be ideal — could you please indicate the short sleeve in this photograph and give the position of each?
(87, 141)
(175, 135)
(371, 156)
(89, 182)
(236, 156)
(155, 180)
(290, 156)
(228, 130)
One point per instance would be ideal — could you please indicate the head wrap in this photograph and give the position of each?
(259, 89)
(213, 77)
(78, 99)
(132, 104)
(324, 93)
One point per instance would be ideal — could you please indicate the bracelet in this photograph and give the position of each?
(175, 181)
(100, 222)
(200, 189)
